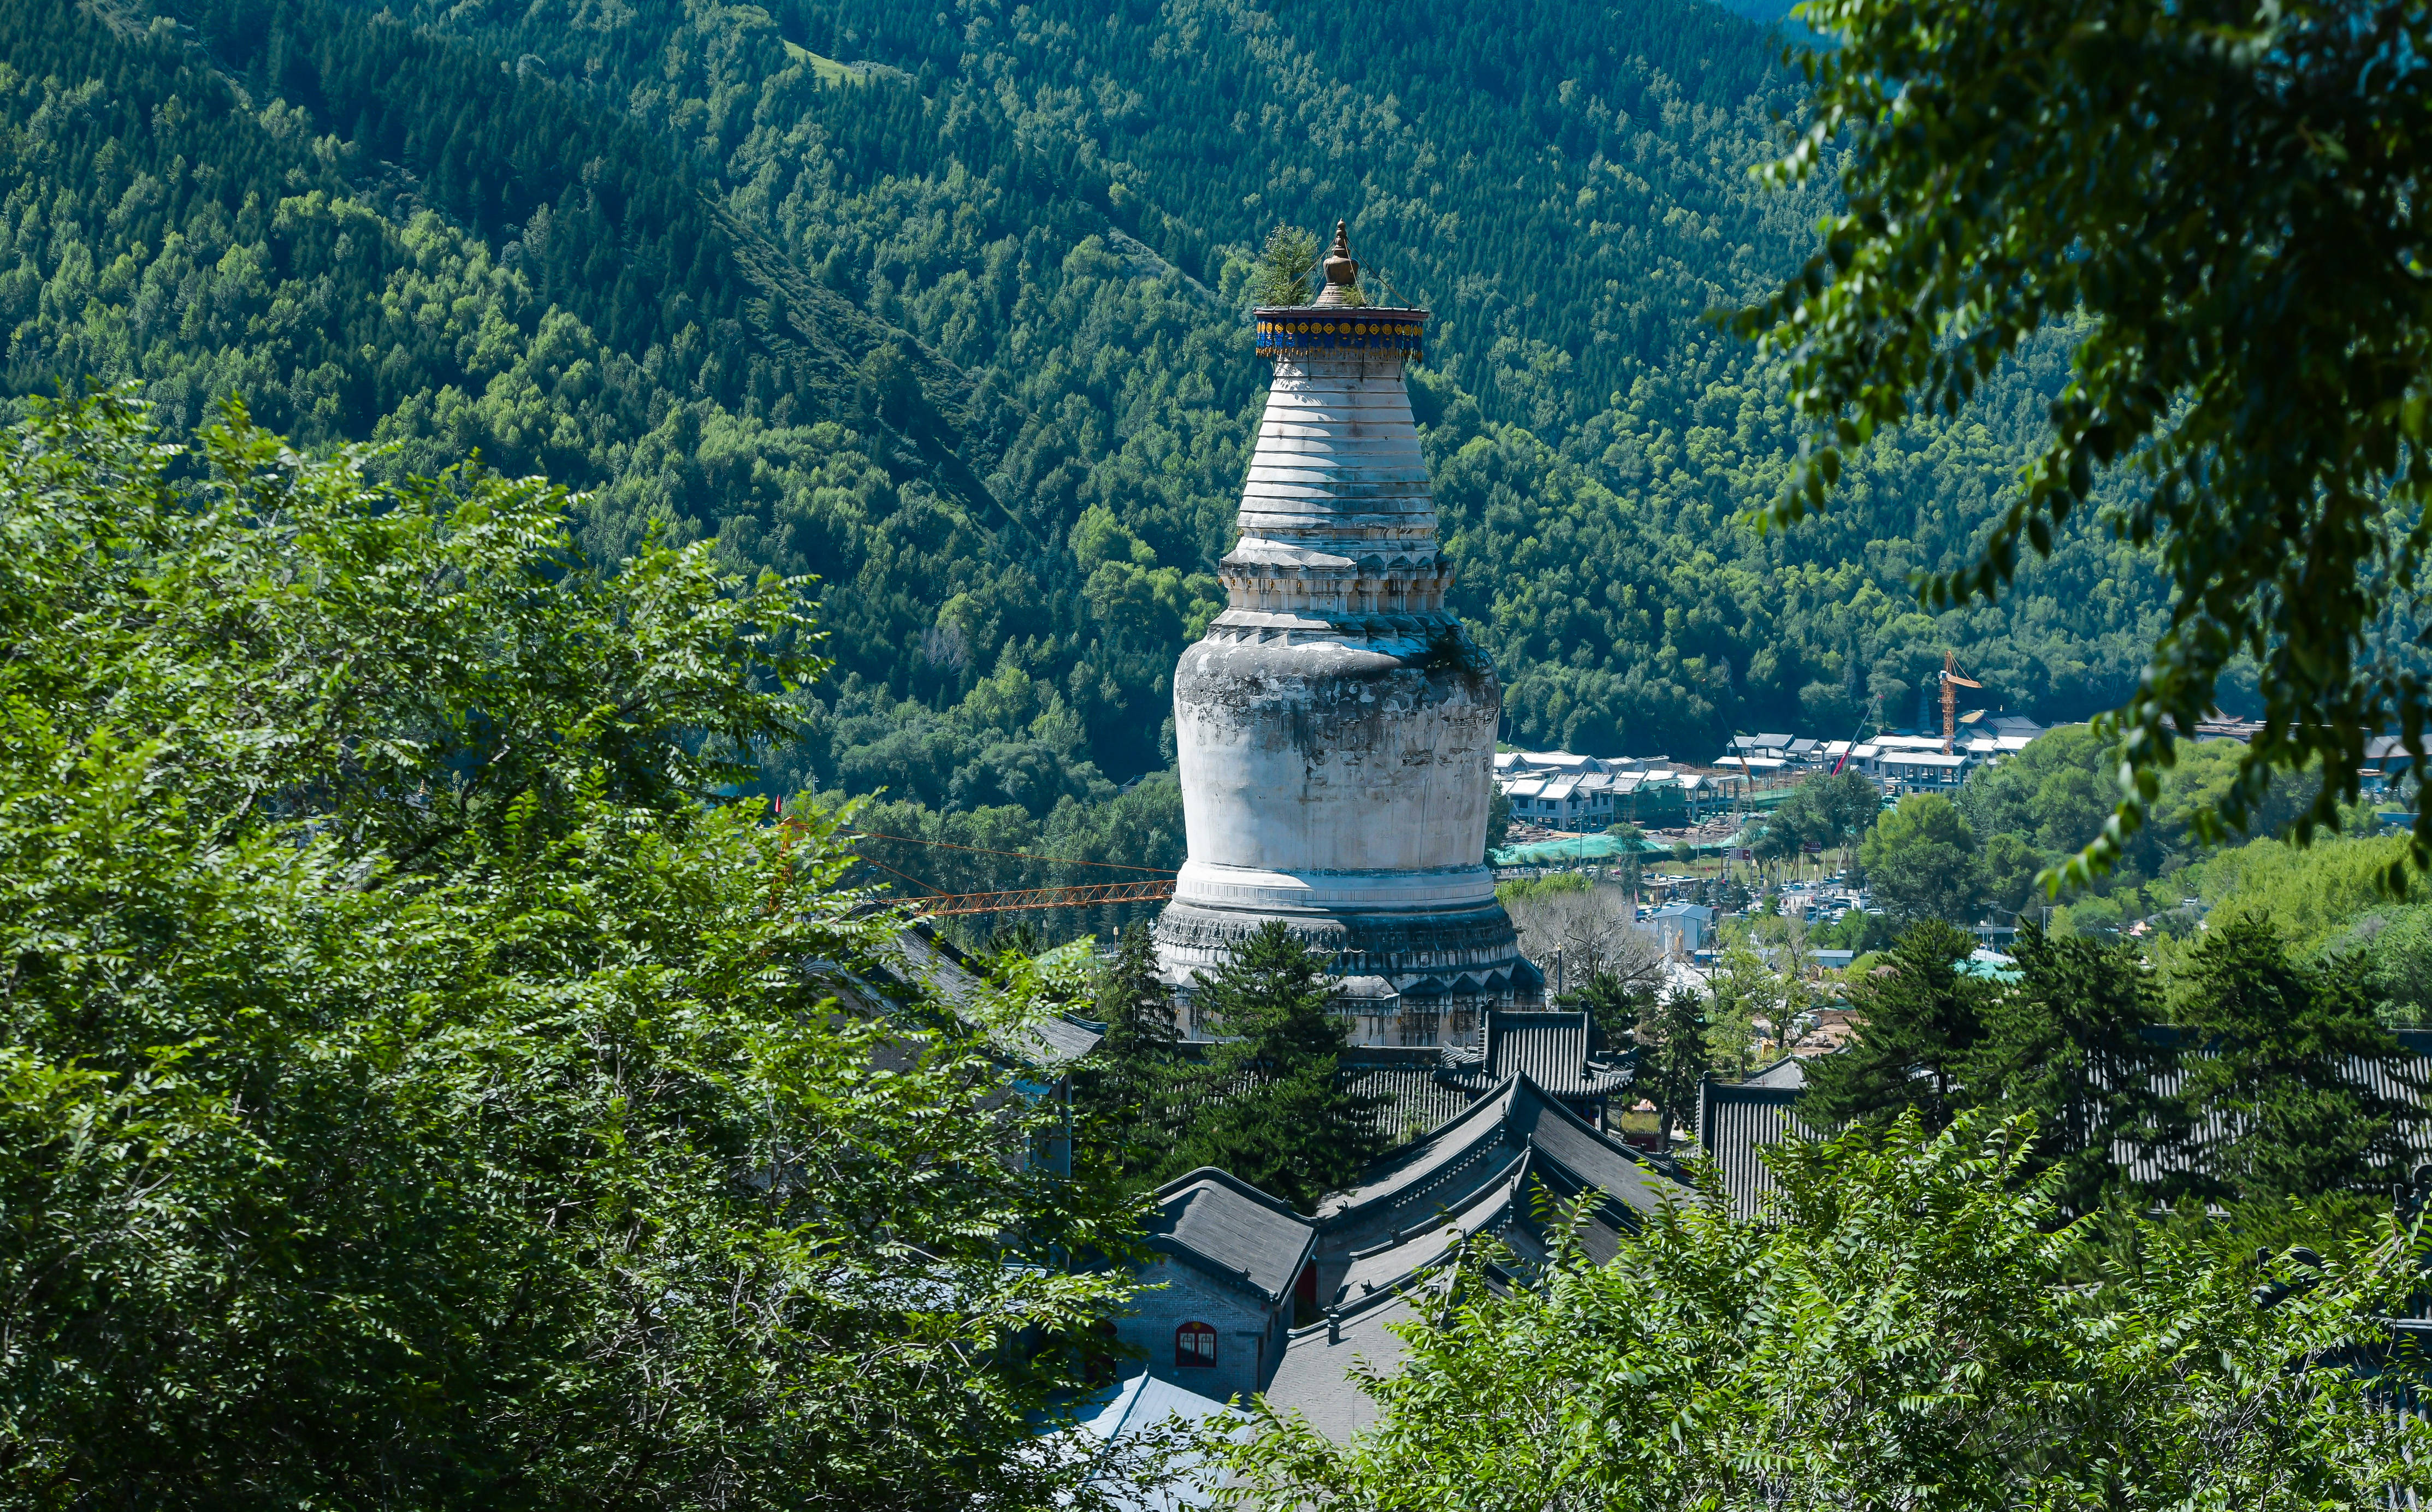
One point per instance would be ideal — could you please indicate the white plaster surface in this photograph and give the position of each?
(1335, 729)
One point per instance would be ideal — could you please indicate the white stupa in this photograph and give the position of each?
(1335, 726)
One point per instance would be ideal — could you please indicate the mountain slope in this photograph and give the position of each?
(959, 329)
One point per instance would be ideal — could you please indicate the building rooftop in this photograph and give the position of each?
(1313, 1380)
(1231, 1227)
(1410, 1184)
(1550, 1048)
(1126, 1414)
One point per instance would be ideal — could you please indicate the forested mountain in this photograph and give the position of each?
(947, 310)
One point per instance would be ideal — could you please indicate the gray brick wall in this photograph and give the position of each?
(1249, 1334)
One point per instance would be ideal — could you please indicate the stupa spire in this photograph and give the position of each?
(1342, 270)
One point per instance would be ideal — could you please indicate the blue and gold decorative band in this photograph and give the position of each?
(1357, 331)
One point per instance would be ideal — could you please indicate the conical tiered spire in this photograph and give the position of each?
(1338, 524)
(1342, 272)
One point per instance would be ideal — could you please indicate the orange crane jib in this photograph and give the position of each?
(943, 904)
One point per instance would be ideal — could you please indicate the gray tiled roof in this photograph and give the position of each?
(1518, 1115)
(1789, 1071)
(1550, 1048)
(1124, 1417)
(1409, 1097)
(1046, 1042)
(1735, 1121)
(1490, 1209)
(1313, 1379)
(1232, 1228)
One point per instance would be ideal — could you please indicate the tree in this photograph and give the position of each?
(1920, 1022)
(1614, 1006)
(2161, 179)
(1127, 1087)
(413, 1090)
(1591, 925)
(2080, 1041)
(1831, 811)
(1673, 1061)
(1753, 999)
(1903, 1328)
(2284, 1114)
(1284, 266)
(1275, 1110)
(1920, 862)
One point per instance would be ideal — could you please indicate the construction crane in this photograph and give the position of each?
(939, 905)
(933, 904)
(1872, 715)
(1952, 684)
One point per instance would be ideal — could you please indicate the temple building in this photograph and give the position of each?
(1335, 726)
(1242, 1294)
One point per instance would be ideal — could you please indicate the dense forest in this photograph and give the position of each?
(947, 311)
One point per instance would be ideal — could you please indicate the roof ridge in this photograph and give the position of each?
(1581, 1124)
(1227, 1179)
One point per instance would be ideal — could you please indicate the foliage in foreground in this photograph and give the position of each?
(412, 1088)
(2157, 182)
(1900, 1330)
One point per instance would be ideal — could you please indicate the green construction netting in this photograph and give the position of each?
(1575, 850)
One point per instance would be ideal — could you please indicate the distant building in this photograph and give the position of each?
(1564, 800)
(1558, 790)
(1681, 928)
(2386, 761)
(1922, 769)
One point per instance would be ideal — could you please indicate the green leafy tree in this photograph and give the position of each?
(1754, 999)
(1920, 1019)
(1831, 811)
(1275, 1110)
(2285, 1111)
(1908, 1326)
(1673, 1060)
(1920, 862)
(412, 1090)
(2080, 1041)
(1284, 268)
(2156, 178)
(1128, 1087)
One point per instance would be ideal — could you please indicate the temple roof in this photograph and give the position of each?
(1314, 1378)
(1433, 1172)
(1550, 1048)
(1232, 1228)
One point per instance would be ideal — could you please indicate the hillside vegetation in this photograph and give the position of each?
(948, 310)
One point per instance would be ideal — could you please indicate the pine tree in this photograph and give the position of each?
(1613, 1007)
(1673, 1061)
(1274, 1109)
(1920, 1022)
(2075, 1043)
(1127, 1087)
(2278, 1044)
(1284, 268)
